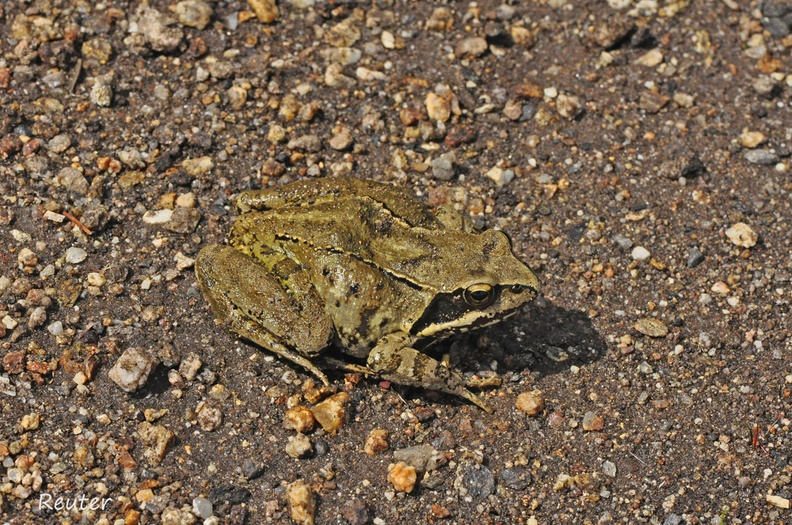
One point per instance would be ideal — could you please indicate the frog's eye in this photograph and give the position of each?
(479, 295)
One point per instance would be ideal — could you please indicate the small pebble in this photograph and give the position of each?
(59, 143)
(762, 157)
(202, 507)
(651, 58)
(210, 418)
(158, 216)
(402, 476)
(307, 143)
(417, 456)
(500, 176)
(266, 10)
(102, 91)
(344, 33)
(73, 180)
(342, 139)
(752, 139)
(639, 253)
(186, 200)
(720, 288)
(471, 48)
(515, 478)
(742, 235)
(477, 480)
(37, 317)
(592, 422)
(75, 255)
(299, 446)
(132, 369)
(651, 327)
(331, 412)
(355, 512)
(376, 442)
(568, 106)
(198, 166)
(302, 502)
(443, 167)
(299, 418)
(695, 257)
(26, 257)
(189, 366)
(193, 13)
(609, 469)
(623, 242)
(766, 87)
(438, 108)
(652, 102)
(530, 403)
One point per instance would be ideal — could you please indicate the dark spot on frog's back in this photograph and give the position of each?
(354, 289)
(383, 224)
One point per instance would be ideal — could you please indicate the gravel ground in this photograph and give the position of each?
(637, 153)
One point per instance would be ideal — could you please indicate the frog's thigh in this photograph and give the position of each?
(394, 361)
(244, 295)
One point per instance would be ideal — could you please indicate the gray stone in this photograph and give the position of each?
(416, 456)
(695, 257)
(763, 157)
(202, 507)
(777, 27)
(477, 480)
(308, 143)
(73, 180)
(516, 478)
(623, 242)
(443, 167)
(673, 519)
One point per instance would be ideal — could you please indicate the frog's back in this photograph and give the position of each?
(366, 230)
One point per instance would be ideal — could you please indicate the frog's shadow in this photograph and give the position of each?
(543, 338)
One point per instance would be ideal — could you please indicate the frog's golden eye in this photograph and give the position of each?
(479, 295)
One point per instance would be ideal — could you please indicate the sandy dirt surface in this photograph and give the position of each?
(637, 154)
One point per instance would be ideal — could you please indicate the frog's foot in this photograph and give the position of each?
(394, 361)
(475, 382)
(338, 364)
(253, 303)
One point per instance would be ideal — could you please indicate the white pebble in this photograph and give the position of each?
(55, 328)
(639, 253)
(157, 217)
(75, 255)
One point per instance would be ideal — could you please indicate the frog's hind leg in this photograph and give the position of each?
(394, 360)
(253, 303)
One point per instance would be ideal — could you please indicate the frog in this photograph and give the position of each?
(367, 267)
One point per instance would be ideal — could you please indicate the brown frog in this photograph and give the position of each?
(364, 265)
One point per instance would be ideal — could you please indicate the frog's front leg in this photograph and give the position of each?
(393, 359)
(255, 305)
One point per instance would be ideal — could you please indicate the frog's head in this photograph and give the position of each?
(478, 282)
